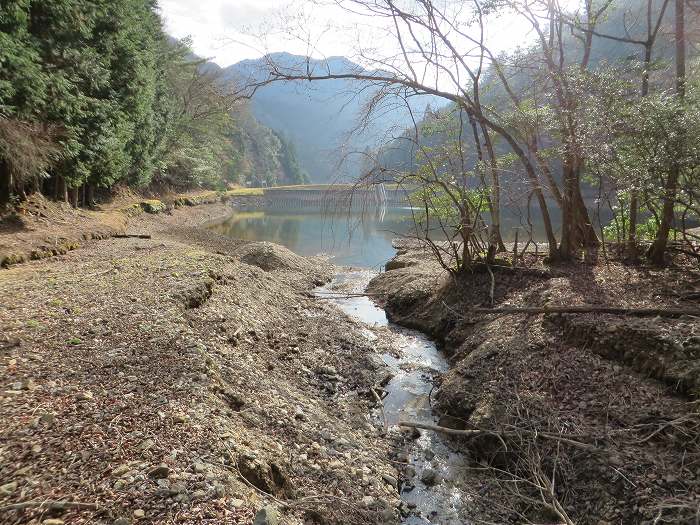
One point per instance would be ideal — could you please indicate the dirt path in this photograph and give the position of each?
(185, 378)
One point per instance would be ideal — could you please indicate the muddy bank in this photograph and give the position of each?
(612, 396)
(186, 378)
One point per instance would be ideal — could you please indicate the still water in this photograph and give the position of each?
(350, 239)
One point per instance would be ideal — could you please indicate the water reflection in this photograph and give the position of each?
(352, 238)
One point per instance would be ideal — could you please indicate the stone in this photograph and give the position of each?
(85, 396)
(199, 467)
(159, 472)
(268, 516)
(120, 470)
(8, 488)
(47, 418)
(139, 514)
(122, 521)
(390, 480)
(430, 477)
(53, 521)
(368, 501)
(236, 503)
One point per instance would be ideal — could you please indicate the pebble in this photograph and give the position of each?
(430, 477)
(268, 516)
(139, 513)
(160, 472)
(121, 521)
(8, 488)
(52, 521)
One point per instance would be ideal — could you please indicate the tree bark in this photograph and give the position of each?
(5, 182)
(73, 197)
(61, 189)
(658, 248)
(90, 195)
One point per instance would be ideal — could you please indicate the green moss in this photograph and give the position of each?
(153, 206)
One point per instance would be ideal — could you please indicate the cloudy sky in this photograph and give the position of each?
(228, 31)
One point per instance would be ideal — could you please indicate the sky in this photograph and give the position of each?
(228, 31)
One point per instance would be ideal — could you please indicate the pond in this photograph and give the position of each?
(350, 238)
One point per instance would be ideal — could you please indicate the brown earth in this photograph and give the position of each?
(185, 378)
(591, 418)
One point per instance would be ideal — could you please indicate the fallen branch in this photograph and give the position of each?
(131, 236)
(50, 505)
(501, 434)
(661, 312)
(381, 408)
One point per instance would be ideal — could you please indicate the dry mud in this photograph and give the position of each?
(585, 418)
(185, 378)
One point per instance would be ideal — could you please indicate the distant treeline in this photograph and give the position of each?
(93, 94)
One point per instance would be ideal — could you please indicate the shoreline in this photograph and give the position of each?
(187, 375)
(615, 395)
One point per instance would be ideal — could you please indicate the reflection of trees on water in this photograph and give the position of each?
(355, 239)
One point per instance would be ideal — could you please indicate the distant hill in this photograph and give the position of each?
(318, 118)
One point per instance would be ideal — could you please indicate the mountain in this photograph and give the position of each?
(321, 118)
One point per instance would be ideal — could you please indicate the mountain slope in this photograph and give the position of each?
(320, 118)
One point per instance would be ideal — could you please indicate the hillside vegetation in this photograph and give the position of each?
(96, 94)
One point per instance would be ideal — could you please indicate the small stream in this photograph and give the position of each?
(365, 242)
(437, 500)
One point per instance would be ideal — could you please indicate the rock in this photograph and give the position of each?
(236, 503)
(122, 521)
(53, 521)
(120, 470)
(327, 370)
(429, 454)
(147, 444)
(199, 467)
(119, 484)
(160, 472)
(390, 480)
(85, 396)
(368, 501)
(8, 488)
(268, 516)
(47, 418)
(139, 514)
(430, 477)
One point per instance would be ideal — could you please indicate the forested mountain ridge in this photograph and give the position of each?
(323, 119)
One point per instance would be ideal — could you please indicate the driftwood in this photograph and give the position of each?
(586, 309)
(131, 236)
(502, 434)
(50, 505)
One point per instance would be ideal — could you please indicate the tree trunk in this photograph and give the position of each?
(658, 248)
(73, 197)
(634, 192)
(495, 236)
(61, 189)
(534, 181)
(90, 195)
(5, 182)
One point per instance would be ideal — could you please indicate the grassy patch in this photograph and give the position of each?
(245, 192)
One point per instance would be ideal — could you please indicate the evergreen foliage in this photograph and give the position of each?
(99, 95)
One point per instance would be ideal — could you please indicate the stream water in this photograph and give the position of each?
(432, 495)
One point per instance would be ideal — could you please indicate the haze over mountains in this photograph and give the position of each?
(321, 118)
